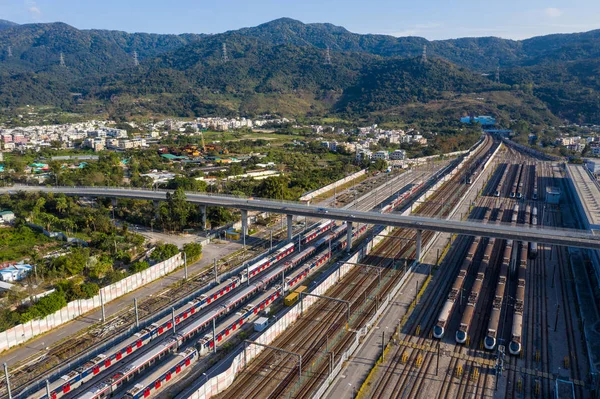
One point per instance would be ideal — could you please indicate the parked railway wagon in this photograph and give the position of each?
(444, 317)
(494, 322)
(515, 345)
(74, 379)
(462, 334)
(320, 229)
(165, 375)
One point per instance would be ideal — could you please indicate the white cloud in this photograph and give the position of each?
(553, 12)
(33, 9)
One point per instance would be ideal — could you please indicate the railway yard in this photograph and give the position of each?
(104, 373)
(489, 318)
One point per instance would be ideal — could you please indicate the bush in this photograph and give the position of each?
(138, 267)
(45, 306)
(90, 290)
(164, 252)
(193, 251)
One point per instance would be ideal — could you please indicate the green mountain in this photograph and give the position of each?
(4, 24)
(281, 67)
(479, 53)
(37, 48)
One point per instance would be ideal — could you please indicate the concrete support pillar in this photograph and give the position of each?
(244, 222)
(202, 209)
(113, 202)
(418, 249)
(349, 237)
(290, 227)
(156, 208)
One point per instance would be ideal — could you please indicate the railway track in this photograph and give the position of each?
(382, 256)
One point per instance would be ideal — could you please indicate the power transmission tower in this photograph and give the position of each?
(497, 74)
(136, 61)
(62, 60)
(327, 57)
(424, 56)
(10, 51)
(225, 57)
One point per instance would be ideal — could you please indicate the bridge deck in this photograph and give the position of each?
(553, 236)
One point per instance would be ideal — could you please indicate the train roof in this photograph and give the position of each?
(146, 357)
(161, 369)
(203, 319)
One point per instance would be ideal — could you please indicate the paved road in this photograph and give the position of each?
(569, 238)
(35, 345)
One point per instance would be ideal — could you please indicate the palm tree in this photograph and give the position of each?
(61, 204)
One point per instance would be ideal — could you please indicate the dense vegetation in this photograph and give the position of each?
(280, 67)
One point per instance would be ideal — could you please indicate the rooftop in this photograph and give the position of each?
(588, 191)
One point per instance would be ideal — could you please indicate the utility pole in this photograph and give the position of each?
(136, 61)
(185, 270)
(173, 319)
(102, 306)
(10, 52)
(214, 336)
(7, 381)
(137, 316)
(62, 60)
(216, 271)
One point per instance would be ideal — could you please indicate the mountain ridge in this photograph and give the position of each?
(281, 67)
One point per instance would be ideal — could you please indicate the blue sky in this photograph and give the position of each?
(433, 19)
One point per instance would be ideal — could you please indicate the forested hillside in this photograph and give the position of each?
(281, 67)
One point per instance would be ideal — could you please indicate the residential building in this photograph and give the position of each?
(7, 217)
(398, 155)
(383, 155)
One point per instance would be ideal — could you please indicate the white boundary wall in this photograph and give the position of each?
(221, 382)
(24, 332)
(309, 196)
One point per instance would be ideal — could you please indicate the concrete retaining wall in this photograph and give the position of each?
(309, 196)
(24, 332)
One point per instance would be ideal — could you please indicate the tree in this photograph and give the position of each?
(164, 252)
(48, 219)
(274, 187)
(193, 251)
(61, 204)
(99, 268)
(218, 216)
(138, 267)
(179, 208)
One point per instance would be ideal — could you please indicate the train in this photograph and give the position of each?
(515, 345)
(461, 335)
(101, 362)
(515, 186)
(320, 229)
(533, 247)
(106, 387)
(401, 198)
(444, 317)
(491, 337)
(157, 380)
